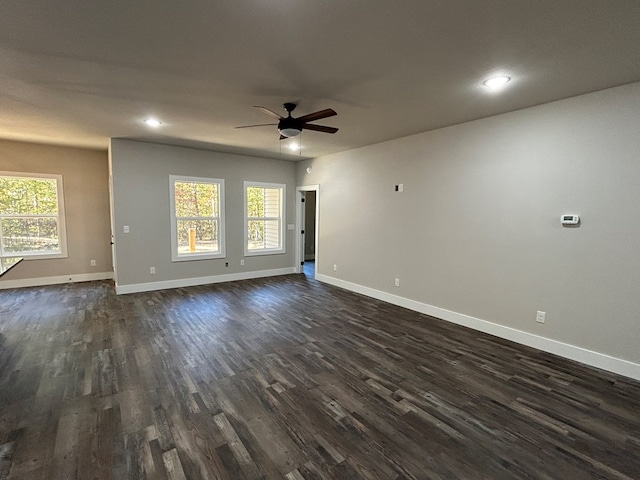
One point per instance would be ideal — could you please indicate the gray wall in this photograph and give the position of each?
(85, 178)
(141, 200)
(477, 231)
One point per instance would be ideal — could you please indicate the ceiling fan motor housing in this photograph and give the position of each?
(289, 126)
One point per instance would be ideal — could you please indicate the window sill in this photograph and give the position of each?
(255, 253)
(38, 256)
(196, 256)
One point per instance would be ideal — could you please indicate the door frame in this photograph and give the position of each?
(300, 191)
(112, 220)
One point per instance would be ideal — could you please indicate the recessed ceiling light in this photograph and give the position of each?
(152, 122)
(294, 146)
(497, 81)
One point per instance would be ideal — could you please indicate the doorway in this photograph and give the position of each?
(307, 226)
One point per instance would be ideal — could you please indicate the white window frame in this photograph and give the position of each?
(62, 224)
(186, 257)
(283, 196)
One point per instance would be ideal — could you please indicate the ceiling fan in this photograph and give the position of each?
(290, 127)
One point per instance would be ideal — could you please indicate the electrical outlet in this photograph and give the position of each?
(540, 317)
(93, 263)
(242, 262)
(152, 270)
(125, 228)
(335, 267)
(397, 282)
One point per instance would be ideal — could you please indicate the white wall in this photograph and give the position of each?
(477, 232)
(141, 200)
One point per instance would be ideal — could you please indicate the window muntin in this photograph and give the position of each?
(32, 220)
(197, 218)
(264, 218)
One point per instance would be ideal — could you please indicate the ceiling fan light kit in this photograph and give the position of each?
(289, 131)
(291, 127)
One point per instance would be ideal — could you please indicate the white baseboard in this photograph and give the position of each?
(191, 282)
(572, 352)
(40, 281)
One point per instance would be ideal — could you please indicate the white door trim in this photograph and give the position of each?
(300, 226)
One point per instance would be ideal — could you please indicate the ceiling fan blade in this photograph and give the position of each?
(258, 125)
(310, 117)
(268, 112)
(282, 137)
(319, 128)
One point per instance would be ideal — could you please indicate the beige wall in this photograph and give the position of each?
(476, 230)
(141, 200)
(86, 194)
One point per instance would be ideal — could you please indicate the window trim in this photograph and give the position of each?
(175, 256)
(283, 197)
(62, 222)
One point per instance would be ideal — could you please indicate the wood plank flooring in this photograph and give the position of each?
(288, 378)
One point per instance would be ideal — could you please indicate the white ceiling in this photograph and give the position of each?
(79, 72)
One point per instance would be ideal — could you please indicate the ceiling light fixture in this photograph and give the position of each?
(290, 131)
(294, 146)
(497, 81)
(152, 122)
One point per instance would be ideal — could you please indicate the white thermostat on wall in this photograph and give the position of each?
(570, 219)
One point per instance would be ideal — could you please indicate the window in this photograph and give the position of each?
(264, 218)
(197, 218)
(31, 216)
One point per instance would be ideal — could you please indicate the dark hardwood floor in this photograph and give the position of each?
(289, 378)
